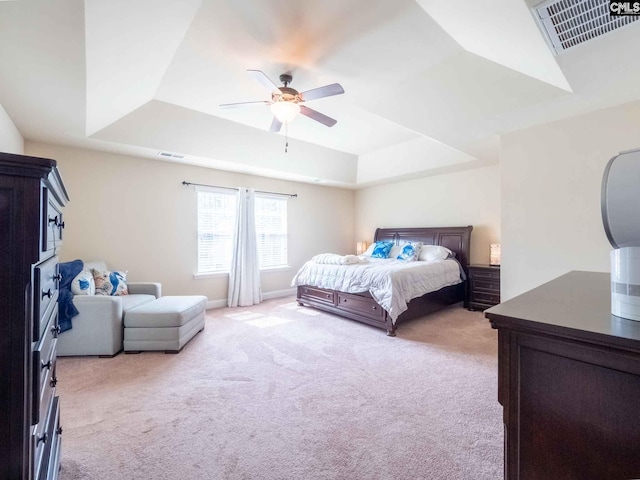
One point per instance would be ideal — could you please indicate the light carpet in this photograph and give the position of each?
(278, 391)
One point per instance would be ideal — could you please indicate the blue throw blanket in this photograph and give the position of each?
(66, 309)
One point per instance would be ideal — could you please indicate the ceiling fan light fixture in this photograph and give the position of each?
(285, 111)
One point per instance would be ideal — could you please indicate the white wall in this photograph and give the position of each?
(470, 197)
(11, 140)
(551, 178)
(135, 214)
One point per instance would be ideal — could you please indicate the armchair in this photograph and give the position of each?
(98, 328)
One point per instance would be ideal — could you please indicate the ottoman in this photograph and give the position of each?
(166, 323)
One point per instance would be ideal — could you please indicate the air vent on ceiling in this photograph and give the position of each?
(175, 156)
(568, 23)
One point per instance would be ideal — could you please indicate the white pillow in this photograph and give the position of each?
(432, 253)
(395, 251)
(83, 284)
(369, 250)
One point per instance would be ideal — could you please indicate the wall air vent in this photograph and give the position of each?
(175, 156)
(568, 23)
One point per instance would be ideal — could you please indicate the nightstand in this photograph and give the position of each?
(484, 286)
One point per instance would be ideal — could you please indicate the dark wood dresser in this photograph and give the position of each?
(484, 286)
(32, 197)
(569, 382)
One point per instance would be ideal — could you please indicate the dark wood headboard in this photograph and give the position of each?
(456, 239)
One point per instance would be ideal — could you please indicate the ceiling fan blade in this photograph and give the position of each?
(238, 104)
(320, 92)
(264, 81)
(317, 116)
(276, 125)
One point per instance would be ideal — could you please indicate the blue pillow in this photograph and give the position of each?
(381, 250)
(410, 252)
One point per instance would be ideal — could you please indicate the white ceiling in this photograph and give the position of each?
(430, 85)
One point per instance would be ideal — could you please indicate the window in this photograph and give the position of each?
(216, 223)
(271, 229)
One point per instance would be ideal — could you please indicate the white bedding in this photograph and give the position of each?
(392, 283)
(335, 259)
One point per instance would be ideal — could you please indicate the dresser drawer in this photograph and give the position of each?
(41, 435)
(360, 305)
(44, 374)
(52, 224)
(46, 442)
(487, 285)
(484, 274)
(52, 457)
(317, 294)
(485, 298)
(44, 388)
(45, 294)
(47, 345)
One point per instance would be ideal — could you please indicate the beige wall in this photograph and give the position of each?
(11, 140)
(135, 214)
(551, 179)
(470, 197)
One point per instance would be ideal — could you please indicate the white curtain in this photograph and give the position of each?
(244, 277)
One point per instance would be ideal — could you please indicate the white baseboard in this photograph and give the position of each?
(278, 293)
(216, 304)
(265, 296)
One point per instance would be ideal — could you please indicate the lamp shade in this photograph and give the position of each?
(496, 254)
(361, 247)
(285, 111)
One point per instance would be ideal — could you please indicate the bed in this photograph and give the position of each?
(362, 307)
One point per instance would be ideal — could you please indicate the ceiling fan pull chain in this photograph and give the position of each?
(286, 137)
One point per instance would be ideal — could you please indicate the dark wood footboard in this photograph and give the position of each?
(359, 307)
(363, 308)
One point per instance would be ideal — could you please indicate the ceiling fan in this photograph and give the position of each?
(286, 102)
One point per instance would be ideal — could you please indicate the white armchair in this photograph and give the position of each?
(98, 328)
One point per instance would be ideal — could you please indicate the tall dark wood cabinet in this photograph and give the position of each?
(568, 382)
(32, 197)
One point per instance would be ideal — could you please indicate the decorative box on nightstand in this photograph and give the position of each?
(484, 286)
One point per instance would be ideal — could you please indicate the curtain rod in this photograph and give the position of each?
(236, 188)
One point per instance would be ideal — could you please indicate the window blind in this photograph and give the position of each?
(271, 229)
(216, 222)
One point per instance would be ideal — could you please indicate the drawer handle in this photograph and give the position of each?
(47, 294)
(45, 365)
(328, 296)
(57, 277)
(53, 382)
(61, 225)
(54, 220)
(59, 431)
(42, 439)
(344, 299)
(55, 331)
(375, 307)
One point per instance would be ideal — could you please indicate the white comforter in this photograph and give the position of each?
(392, 283)
(335, 259)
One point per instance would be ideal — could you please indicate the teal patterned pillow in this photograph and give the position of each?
(410, 252)
(110, 283)
(381, 250)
